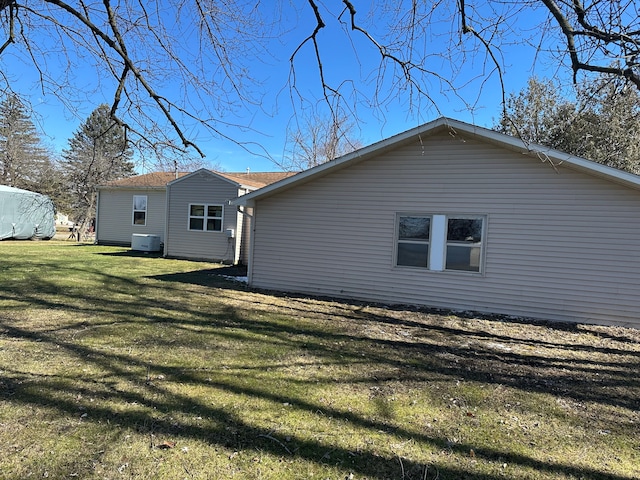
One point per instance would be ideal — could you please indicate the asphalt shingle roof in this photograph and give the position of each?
(160, 179)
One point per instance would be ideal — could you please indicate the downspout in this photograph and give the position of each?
(95, 227)
(167, 193)
(251, 243)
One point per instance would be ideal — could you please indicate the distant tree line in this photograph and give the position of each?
(97, 153)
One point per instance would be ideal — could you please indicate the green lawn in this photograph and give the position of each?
(116, 364)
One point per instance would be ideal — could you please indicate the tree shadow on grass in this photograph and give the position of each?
(160, 407)
(209, 277)
(410, 353)
(495, 355)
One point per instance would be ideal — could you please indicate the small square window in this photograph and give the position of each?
(196, 223)
(413, 254)
(197, 210)
(214, 211)
(205, 217)
(214, 224)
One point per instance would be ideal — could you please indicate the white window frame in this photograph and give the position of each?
(479, 257)
(438, 243)
(138, 210)
(418, 242)
(205, 218)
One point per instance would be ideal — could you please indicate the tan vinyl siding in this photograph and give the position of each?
(115, 215)
(202, 245)
(559, 246)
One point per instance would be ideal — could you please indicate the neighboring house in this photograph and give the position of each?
(454, 216)
(201, 224)
(134, 205)
(190, 213)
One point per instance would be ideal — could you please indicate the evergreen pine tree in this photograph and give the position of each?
(97, 153)
(24, 163)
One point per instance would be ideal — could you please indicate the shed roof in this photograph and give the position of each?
(454, 127)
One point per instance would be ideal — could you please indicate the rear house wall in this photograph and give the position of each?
(115, 215)
(559, 246)
(204, 189)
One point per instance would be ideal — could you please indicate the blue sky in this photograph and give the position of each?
(352, 66)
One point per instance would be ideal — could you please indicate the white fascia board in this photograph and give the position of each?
(600, 170)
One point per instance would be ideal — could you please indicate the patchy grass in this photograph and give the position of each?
(122, 365)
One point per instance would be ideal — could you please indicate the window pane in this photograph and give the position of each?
(413, 254)
(214, 211)
(139, 202)
(196, 223)
(214, 225)
(468, 230)
(196, 211)
(139, 218)
(414, 228)
(461, 257)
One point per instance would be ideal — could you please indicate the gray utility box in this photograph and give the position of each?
(145, 243)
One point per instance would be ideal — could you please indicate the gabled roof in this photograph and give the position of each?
(454, 127)
(247, 180)
(147, 180)
(258, 179)
(159, 180)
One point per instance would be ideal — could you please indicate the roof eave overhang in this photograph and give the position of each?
(555, 158)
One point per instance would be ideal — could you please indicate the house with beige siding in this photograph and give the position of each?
(454, 216)
(134, 205)
(189, 213)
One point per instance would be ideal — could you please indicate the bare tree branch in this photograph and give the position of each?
(106, 32)
(181, 70)
(314, 40)
(627, 42)
(466, 28)
(11, 37)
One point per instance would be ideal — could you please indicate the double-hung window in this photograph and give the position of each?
(205, 218)
(464, 243)
(440, 242)
(139, 210)
(413, 240)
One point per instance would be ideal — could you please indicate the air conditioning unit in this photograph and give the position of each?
(145, 243)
